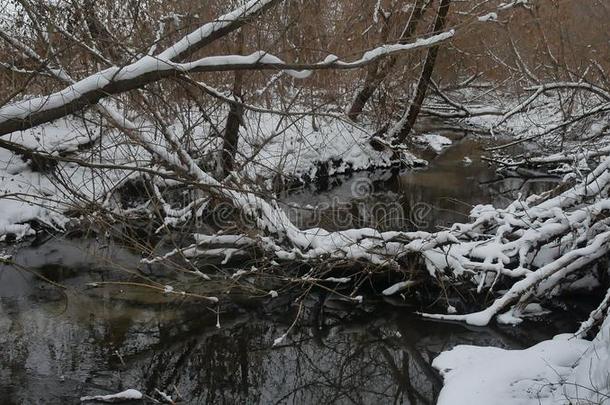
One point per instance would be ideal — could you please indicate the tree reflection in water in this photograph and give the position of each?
(56, 348)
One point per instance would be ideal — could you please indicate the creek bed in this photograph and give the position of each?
(58, 344)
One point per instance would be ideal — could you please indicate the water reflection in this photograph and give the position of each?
(429, 199)
(60, 344)
(54, 351)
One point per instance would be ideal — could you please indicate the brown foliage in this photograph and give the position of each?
(554, 40)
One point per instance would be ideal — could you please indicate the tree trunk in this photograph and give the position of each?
(379, 70)
(234, 119)
(231, 137)
(406, 124)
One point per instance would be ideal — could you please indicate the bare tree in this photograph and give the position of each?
(404, 126)
(378, 71)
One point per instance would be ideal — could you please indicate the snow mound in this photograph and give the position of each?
(490, 375)
(590, 380)
(434, 141)
(21, 196)
(565, 370)
(302, 147)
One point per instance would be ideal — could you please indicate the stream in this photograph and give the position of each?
(58, 344)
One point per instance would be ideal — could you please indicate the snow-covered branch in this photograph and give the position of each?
(149, 69)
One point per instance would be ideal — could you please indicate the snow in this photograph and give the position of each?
(330, 59)
(27, 195)
(144, 65)
(65, 134)
(490, 375)
(239, 273)
(377, 11)
(127, 395)
(591, 377)
(279, 340)
(489, 17)
(205, 31)
(18, 203)
(549, 372)
(566, 369)
(534, 116)
(163, 62)
(506, 6)
(570, 261)
(340, 280)
(24, 108)
(398, 287)
(167, 398)
(285, 151)
(436, 142)
(395, 48)
(258, 57)
(299, 145)
(558, 371)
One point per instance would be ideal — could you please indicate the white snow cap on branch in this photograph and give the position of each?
(489, 17)
(101, 81)
(127, 395)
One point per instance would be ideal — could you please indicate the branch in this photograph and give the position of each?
(92, 89)
(149, 69)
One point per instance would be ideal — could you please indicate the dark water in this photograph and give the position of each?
(425, 199)
(57, 344)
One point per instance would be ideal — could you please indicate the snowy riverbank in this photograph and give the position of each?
(565, 370)
(299, 148)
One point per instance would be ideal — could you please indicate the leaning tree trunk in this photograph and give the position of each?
(378, 71)
(372, 80)
(234, 119)
(406, 124)
(231, 136)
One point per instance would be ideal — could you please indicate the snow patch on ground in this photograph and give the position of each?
(21, 197)
(565, 370)
(434, 141)
(28, 196)
(65, 134)
(299, 145)
(490, 375)
(590, 380)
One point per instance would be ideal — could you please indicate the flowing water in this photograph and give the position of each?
(58, 344)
